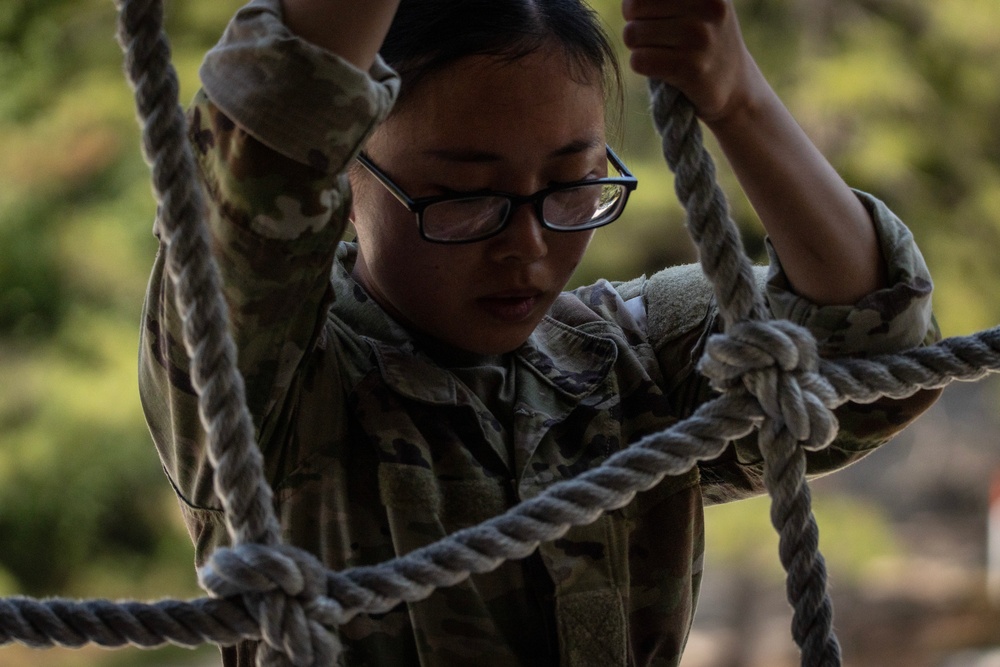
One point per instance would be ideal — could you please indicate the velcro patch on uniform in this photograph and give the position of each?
(470, 501)
(403, 486)
(592, 628)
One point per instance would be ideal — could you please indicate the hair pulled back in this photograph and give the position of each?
(428, 35)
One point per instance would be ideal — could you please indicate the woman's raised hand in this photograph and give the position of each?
(697, 47)
(814, 221)
(352, 29)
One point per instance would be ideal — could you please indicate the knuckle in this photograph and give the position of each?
(643, 62)
(699, 70)
(699, 37)
(715, 10)
(630, 35)
(642, 8)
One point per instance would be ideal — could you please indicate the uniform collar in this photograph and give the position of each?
(571, 362)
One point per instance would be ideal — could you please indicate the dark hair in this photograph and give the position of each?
(428, 35)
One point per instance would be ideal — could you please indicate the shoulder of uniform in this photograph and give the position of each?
(678, 299)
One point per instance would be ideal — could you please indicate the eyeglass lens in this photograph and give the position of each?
(581, 206)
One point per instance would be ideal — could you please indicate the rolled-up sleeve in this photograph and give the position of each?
(296, 98)
(894, 318)
(272, 130)
(682, 313)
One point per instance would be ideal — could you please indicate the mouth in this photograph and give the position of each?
(511, 306)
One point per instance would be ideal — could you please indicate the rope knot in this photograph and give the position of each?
(284, 589)
(776, 361)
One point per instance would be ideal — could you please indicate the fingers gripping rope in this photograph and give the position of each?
(769, 372)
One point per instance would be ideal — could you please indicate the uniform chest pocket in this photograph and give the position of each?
(420, 495)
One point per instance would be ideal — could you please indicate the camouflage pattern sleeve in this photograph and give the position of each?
(681, 314)
(302, 101)
(895, 318)
(273, 129)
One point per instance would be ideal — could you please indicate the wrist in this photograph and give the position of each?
(338, 26)
(748, 104)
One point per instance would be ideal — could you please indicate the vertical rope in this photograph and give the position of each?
(798, 548)
(718, 241)
(729, 270)
(239, 479)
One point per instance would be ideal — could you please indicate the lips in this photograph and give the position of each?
(511, 305)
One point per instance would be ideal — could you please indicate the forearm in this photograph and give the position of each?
(274, 129)
(340, 27)
(272, 132)
(822, 233)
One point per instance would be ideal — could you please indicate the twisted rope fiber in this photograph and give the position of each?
(191, 267)
(793, 410)
(965, 359)
(376, 589)
(719, 245)
(289, 630)
(379, 588)
(770, 374)
(71, 623)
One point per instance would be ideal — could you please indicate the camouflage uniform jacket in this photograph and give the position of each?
(375, 447)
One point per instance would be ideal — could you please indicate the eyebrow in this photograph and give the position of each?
(470, 155)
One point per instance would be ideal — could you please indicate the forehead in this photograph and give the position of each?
(545, 97)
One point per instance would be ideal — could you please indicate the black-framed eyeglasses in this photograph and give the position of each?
(465, 217)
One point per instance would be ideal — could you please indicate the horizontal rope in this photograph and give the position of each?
(75, 623)
(376, 589)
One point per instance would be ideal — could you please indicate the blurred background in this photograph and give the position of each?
(901, 95)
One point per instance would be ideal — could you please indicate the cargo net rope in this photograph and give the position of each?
(769, 374)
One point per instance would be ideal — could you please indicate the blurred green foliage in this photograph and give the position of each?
(84, 509)
(900, 94)
(856, 538)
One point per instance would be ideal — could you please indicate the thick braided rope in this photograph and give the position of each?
(72, 623)
(221, 401)
(719, 245)
(728, 268)
(966, 359)
(283, 595)
(378, 588)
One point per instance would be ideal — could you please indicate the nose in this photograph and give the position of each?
(523, 240)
